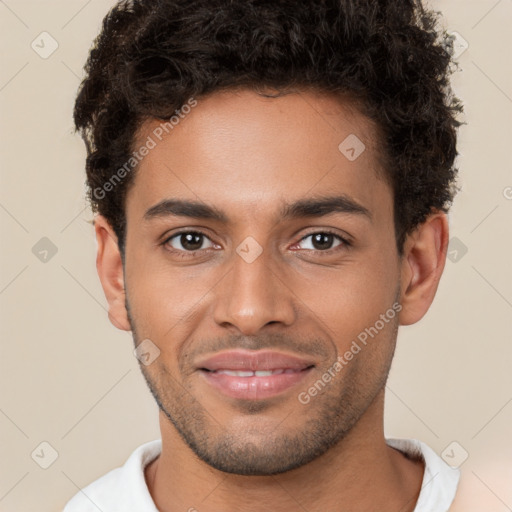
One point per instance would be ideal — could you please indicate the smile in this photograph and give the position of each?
(256, 373)
(254, 384)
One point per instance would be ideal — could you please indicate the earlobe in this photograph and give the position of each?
(422, 266)
(110, 271)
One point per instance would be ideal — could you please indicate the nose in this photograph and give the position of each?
(252, 295)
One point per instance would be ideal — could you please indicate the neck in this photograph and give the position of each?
(355, 474)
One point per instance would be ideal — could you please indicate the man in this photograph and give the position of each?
(271, 181)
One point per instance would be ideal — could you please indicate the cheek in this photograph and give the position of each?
(351, 298)
(164, 300)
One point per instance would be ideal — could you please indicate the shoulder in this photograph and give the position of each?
(120, 489)
(97, 494)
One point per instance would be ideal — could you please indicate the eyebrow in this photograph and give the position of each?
(310, 207)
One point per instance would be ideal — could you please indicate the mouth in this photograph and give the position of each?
(254, 375)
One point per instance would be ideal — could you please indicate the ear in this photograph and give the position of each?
(110, 271)
(422, 265)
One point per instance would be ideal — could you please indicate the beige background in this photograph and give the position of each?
(70, 379)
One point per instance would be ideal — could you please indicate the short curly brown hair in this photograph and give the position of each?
(151, 56)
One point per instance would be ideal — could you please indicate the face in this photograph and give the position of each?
(254, 244)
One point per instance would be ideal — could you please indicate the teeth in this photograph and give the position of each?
(263, 373)
(237, 374)
(258, 373)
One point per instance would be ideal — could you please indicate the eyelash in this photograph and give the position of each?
(186, 254)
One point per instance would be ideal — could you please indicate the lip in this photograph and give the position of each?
(289, 371)
(239, 360)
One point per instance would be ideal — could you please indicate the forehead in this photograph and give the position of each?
(250, 153)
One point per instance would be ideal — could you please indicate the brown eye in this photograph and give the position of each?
(323, 241)
(187, 241)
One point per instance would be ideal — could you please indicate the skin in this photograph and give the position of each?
(247, 155)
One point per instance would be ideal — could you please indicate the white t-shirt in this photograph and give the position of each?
(124, 489)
